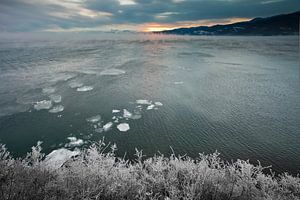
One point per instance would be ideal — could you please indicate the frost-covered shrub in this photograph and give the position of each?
(96, 173)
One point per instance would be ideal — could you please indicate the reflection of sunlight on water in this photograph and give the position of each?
(155, 53)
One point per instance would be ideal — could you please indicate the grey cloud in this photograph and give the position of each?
(29, 15)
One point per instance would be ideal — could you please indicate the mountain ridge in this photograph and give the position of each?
(283, 24)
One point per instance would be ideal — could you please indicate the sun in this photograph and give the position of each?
(156, 27)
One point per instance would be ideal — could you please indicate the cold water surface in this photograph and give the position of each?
(237, 95)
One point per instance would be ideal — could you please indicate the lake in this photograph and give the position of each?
(237, 95)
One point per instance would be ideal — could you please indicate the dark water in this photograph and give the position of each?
(237, 95)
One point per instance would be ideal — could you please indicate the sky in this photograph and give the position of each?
(135, 15)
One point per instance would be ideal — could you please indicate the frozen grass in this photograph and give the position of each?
(96, 173)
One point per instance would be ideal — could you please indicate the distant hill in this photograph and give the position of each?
(285, 24)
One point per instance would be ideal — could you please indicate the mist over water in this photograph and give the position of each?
(237, 95)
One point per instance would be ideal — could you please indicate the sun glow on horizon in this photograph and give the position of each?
(156, 27)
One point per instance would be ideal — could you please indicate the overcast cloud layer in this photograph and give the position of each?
(40, 15)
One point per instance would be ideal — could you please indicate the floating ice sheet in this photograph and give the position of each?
(158, 103)
(57, 109)
(136, 116)
(55, 98)
(178, 82)
(115, 111)
(49, 90)
(123, 127)
(126, 113)
(43, 105)
(99, 130)
(150, 107)
(94, 119)
(57, 158)
(112, 72)
(85, 88)
(75, 84)
(143, 102)
(61, 77)
(74, 142)
(107, 126)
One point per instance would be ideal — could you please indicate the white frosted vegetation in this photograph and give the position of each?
(115, 111)
(85, 88)
(94, 172)
(57, 109)
(43, 105)
(112, 72)
(123, 127)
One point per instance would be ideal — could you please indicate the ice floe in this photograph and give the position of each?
(43, 105)
(74, 142)
(84, 88)
(136, 116)
(99, 130)
(94, 119)
(75, 84)
(107, 126)
(126, 113)
(158, 103)
(61, 77)
(57, 109)
(112, 72)
(119, 117)
(150, 107)
(143, 102)
(57, 158)
(48, 90)
(55, 98)
(178, 82)
(123, 127)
